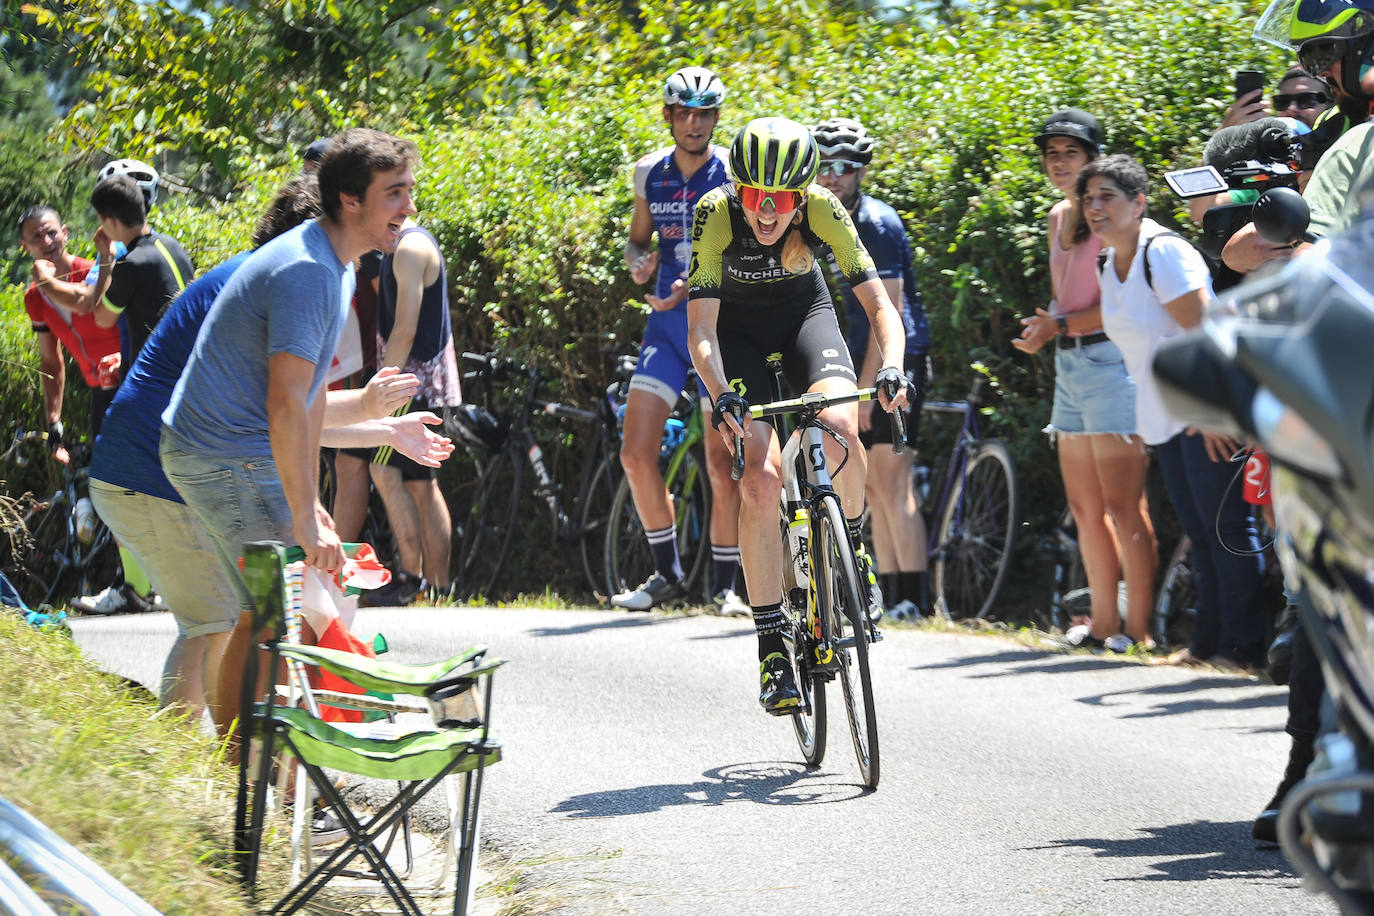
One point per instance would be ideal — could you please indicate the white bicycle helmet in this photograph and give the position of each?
(142, 174)
(844, 138)
(694, 87)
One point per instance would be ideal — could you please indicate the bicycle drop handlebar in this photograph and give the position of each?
(814, 402)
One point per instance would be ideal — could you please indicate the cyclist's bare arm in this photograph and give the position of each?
(640, 258)
(704, 346)
(888, 332)
(54, 369)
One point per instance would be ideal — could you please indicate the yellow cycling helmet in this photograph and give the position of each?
(774, 154)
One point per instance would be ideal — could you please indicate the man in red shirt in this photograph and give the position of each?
(44, 237)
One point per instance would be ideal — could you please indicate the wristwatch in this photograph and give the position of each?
(1063, 324)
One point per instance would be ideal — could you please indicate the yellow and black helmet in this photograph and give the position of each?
(1323, 33)
(774, 154)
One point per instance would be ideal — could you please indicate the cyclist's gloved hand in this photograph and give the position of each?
(55, 435)
(890, 380)
(730, 403)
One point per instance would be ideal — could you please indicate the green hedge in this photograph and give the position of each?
(531, 203)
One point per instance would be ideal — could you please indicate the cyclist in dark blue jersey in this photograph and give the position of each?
(899, 532)
(668, 183)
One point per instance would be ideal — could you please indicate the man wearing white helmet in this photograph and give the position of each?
(668, 183)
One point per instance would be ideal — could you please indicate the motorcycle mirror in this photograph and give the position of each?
(1281, 216)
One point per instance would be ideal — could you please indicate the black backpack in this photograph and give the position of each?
(1149, 274)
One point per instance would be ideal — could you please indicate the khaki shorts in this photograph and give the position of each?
(176, 552)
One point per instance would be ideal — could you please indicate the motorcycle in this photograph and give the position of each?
(1288, 362)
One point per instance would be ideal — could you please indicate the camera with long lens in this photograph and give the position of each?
(1246, 160)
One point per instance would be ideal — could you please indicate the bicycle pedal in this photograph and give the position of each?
(824, 661)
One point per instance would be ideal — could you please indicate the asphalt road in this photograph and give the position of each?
(640, 775)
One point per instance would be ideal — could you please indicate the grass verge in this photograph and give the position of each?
(140, 792)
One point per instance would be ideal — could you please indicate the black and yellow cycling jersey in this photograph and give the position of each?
(729, 263)
(766, 309)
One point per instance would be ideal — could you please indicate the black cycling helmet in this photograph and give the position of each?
(1074, 123)
(843, 138)
(774, 154)
(474, 428)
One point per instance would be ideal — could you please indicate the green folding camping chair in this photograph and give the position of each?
(455, 742)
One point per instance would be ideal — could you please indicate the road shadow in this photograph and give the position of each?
(1202, 697)
(1026, 661)
(626, 621)
(762, 782)
(1196, 851)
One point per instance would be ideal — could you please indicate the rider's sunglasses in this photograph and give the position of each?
(782, 201)
(1317, 55)
(839, 167)
(706, 98)
(1283, 101)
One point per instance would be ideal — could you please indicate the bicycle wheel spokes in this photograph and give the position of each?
(835, 572)
(597, 501)
(809, 721)
(976, 534)
(490, 525)
(628, 560)
(691, 493)
(44, 559)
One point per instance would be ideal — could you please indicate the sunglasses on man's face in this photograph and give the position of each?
(1284, 101)
(838, 167)
(782, 201)
(1317, 55)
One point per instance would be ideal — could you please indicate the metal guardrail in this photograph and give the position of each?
(42, 874)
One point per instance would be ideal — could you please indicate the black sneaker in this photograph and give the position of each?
(403, 588)
(778, 687)
(656, 590)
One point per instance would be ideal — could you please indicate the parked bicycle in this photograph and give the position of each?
(501, 441)
(60, 548)
(682, 460)
(973, 519)
(830, 626)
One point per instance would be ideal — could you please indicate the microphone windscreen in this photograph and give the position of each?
(1239, 143)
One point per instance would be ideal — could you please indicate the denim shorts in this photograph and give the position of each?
(238, 500)
(1092, 391)
(176, 552)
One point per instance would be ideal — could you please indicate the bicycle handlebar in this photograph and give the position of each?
(814, 402)
(22, 437)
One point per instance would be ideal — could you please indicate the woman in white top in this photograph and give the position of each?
(1102, 461)
(1140, 308)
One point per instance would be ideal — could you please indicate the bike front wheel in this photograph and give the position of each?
(977, 529)
(628, 559)
(41, 561)
(490, 525)
(840, 600)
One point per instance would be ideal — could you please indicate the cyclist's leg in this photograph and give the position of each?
(899, 530)
(818, 360)
(654, 389)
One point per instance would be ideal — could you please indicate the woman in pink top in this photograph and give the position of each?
(1102, 460)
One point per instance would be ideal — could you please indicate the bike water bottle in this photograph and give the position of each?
(85, 520)
(797, 536)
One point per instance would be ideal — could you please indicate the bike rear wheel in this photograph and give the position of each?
(1176, 604)
(596, 505)
(490, 525)
(628, 559)
(835, 572)
(976, 534)
(41, 562)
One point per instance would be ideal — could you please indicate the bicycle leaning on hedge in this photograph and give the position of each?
(682, 461)
(61, 547)
(503, 442)
(830, 625)
(973, 520)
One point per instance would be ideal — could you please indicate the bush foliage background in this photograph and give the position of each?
(526, 183)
